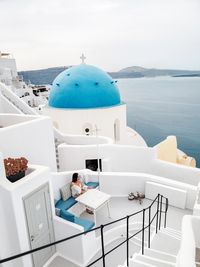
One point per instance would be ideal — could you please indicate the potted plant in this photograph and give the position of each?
(15, 168)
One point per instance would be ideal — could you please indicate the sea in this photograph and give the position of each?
(162, 106)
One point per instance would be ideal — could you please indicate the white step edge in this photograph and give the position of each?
(173, 230)
(154, 261)
(160, 254)
(171, 235)
(138, 263)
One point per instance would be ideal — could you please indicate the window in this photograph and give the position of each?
(92, 164)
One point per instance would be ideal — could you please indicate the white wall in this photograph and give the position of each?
(32, 139)
(119, 158)
(104, 118)
(72, 249)
(13, 228)
(176, 172)
(2, 169)
(85, 244)
(58, 179)
(86, 140)
(121, 184)
(9, 63)
(186, 255)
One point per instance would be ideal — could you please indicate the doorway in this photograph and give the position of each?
(39, 222)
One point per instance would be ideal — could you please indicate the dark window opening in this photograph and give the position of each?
(92, 164)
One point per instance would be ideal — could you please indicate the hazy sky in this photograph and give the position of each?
(112, 33)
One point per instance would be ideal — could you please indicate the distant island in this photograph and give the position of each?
(46, 76)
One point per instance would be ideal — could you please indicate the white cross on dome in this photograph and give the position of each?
(83, 58)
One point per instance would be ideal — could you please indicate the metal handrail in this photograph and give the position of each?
(157, 215)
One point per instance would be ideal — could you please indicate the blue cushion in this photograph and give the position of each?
(93, 184)
(67, 215)
(65, 205)
(85, 223)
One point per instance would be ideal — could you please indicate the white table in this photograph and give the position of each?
(94, 200)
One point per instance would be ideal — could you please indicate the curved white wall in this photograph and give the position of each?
(118, 158)
(72, 121)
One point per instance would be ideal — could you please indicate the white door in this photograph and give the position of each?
(40, 225)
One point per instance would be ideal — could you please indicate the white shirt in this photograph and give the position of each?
(76, 190)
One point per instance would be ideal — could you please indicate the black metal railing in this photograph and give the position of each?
(157, 216)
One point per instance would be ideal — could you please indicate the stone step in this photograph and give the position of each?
(172, 232)
(153, 261)
(138, 263)
(166, 243)
(159, 255)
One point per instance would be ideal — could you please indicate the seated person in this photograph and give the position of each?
(77, 186)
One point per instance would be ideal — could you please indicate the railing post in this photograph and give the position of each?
(158, 205)
(166, 208)
(127, 241)
(102, 246)
(160, 212)
(143, 221)
(149, 237)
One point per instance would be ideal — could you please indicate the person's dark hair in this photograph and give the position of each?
(75, 177)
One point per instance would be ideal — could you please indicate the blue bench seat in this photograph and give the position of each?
(86, 224)
(93, 184)
(65, 205)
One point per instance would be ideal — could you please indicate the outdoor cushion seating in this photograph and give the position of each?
(86, 224)
(65, 204)
(92, 184)
(67, 215)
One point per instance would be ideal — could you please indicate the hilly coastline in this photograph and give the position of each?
(46, 76)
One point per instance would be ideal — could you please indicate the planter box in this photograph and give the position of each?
(16, 177)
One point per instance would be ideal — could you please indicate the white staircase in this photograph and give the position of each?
(23, 108)
(164, 249)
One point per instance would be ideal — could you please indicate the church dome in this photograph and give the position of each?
(84, 86)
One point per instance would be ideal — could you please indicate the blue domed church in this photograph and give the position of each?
(84, 98)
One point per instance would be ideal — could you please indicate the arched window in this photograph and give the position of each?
(117, 130)
(87, 129)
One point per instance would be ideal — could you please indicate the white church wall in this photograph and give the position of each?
(86, 140)
(104, 118)
(32, 139)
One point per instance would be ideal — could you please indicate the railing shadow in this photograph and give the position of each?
(157, 217)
